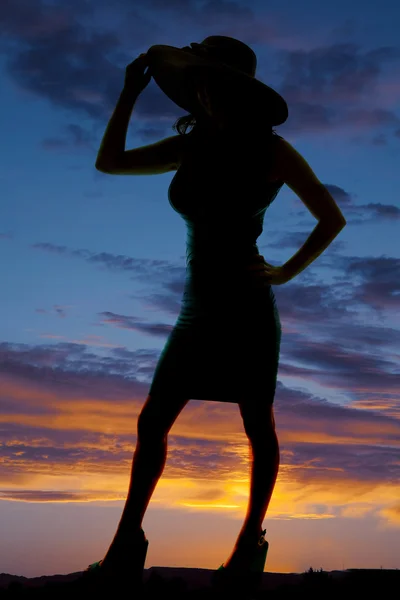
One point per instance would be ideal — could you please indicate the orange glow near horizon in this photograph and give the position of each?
(67, 448)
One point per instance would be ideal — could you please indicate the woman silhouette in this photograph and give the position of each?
(226, 341)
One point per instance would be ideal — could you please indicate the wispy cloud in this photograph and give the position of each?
(75, 67)
(136, 324)
(56, 310)
(59, 497)
(69, 421)
(112, 262)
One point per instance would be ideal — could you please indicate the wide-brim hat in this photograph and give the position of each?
(230, 61)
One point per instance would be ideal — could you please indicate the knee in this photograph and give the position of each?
(262, 436)
(259, 425)
(150, 429)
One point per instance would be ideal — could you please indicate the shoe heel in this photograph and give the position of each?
(127, 576)
(135, 576)
(141, 555)
(232, 579)
(259, 561)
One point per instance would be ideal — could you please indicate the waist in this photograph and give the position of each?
(213, 259)
(226, 291)
(223, 276)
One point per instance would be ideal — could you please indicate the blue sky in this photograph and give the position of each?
(93, 271)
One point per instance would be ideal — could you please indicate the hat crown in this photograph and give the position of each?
(228, 50)
(226, 61)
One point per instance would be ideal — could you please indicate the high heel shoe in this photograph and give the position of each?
(128, 573)
(232, 577)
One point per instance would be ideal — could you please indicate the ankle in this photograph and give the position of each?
(249, 533)
(126, 536)
(123, 545)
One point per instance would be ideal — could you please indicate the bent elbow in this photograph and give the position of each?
(333, 221)
(341, 222)
(101, 167)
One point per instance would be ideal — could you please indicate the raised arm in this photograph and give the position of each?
(112, 158)
(112, 145)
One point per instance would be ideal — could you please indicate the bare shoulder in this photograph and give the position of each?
(290, 162)
(294, 170)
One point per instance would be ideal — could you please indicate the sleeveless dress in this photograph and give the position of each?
(225, 343)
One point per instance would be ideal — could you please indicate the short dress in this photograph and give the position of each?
(225, 343)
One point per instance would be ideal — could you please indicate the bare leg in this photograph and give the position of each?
(148, 464)
(154, 423)
(264, 457)
(264, 471)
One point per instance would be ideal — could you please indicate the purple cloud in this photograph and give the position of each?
(126, 322)
(42, 381)
(54, 52)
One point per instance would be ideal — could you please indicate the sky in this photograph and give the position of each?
(92, 270)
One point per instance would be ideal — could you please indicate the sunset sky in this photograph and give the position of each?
(92, 274)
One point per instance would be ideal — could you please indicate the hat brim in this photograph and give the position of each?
(170, 68)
